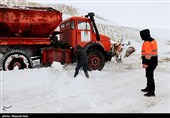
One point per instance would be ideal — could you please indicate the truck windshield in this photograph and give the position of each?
(83, 25)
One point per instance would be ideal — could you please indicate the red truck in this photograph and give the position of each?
(29, 33)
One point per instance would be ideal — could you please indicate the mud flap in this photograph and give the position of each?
(129, 51)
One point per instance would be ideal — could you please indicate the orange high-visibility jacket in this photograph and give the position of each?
(149, 49)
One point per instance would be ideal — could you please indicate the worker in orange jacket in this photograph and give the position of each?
(149, 60)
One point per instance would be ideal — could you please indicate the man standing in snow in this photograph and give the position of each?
(81, 56)
(149, 60)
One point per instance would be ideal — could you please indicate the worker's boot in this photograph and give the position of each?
(145, 89)
(151, 89)
(149, 94)
(75, 74)
(86, 74)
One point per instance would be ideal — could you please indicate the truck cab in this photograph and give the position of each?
(80, 31)
(83, 31)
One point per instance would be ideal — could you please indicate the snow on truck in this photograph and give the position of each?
(29, 33)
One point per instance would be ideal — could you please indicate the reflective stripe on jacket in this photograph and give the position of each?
(149, 49)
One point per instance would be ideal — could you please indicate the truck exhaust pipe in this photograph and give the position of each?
(91, 15)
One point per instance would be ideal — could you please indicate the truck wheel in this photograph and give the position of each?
(16, 58)
(96, 60)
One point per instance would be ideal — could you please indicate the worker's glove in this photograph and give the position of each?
(145, 66)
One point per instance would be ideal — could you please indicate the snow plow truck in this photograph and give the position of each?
(29, 33)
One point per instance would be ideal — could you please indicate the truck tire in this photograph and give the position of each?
(96, 60)
(16, 58)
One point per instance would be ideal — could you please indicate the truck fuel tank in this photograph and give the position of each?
(56, 54)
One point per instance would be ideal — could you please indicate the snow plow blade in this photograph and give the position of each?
(129, 51)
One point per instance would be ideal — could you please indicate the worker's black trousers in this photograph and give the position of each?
(80, 65)
(150, 78)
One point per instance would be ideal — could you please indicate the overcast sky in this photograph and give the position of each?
(134, 13)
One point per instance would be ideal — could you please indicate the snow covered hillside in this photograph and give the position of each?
(105, 26)
(115, 89)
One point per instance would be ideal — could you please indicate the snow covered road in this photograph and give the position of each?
(116, 89)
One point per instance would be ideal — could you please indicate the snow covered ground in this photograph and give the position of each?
(115, 89)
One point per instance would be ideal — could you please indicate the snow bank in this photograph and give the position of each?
(57, 66)
(115, 89)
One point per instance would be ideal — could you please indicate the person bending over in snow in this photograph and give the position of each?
(81, 56)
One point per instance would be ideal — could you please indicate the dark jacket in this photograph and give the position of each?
(145, 35)
(81, 55)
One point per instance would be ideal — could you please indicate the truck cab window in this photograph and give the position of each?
(83, 25)
(72, 25)
(67, 23)
(62, 25)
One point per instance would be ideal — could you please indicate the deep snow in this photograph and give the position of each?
(115, 89)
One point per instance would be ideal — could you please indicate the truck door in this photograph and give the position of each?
(84, 33)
